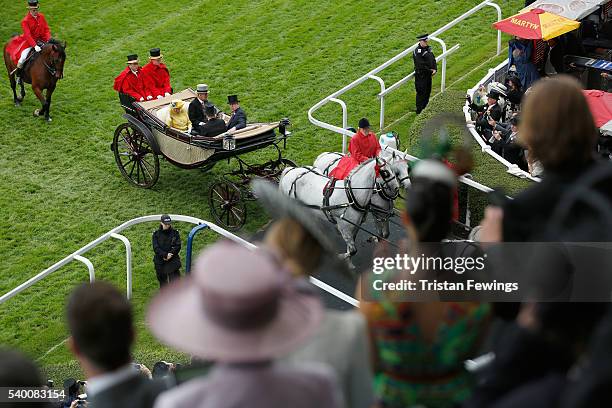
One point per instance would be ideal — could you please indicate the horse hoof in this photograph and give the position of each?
(36, 112)
(49, 120)
(17, 104)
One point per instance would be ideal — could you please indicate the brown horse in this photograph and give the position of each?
(43, 70)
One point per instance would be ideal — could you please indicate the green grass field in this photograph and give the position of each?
(59, 184)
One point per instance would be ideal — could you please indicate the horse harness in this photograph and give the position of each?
(328, 190)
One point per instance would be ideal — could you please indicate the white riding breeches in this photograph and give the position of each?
(24, 55)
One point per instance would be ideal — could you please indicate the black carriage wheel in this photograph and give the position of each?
(227, 206)
(277, 167)
(134, 156)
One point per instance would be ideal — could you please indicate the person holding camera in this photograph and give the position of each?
(166, 245)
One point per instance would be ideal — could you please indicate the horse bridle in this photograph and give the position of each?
(51, 68)
(381, 189)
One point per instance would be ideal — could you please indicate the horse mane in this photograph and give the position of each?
(59, 46)
(356, 169)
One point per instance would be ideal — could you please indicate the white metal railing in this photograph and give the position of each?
(334, 97)
(494, 75)
(114, 233)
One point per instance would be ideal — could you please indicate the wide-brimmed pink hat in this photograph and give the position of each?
(237, 306)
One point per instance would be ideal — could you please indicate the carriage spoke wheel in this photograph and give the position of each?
(134, 156)
(227, 206)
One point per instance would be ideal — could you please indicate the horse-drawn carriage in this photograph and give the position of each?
(138, 143)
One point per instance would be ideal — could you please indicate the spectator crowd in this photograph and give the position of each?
(259, 336)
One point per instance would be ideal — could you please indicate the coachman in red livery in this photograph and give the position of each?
(132, 80)
(157, 76)
(35, 31)
(363, 146)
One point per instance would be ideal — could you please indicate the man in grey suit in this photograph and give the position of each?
(102, 334)
(239, 119)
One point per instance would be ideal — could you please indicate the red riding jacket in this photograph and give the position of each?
(34, 30)
(134, 85)
(361, 148)
(157, 79)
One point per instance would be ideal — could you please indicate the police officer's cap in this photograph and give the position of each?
(166, 219)
(423, 37)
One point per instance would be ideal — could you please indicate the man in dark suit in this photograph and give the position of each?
(553, 57)
(101, 337)
(197, 115)
(239, 119)
(491, 113)
(214, 126)
(425, 67)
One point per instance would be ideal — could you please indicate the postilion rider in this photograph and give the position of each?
(157, 75)
(363, 146)
(35, 31)
(131, 80)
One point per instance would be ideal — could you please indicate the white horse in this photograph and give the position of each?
(382, 201)
(348, 203)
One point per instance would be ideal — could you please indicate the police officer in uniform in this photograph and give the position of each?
(425, 67)
(166, 245)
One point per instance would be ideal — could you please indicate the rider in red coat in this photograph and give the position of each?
(157, 75)
(363, 146)
(35, 30)
(132, 81)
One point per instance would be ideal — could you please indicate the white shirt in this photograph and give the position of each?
(103, 382)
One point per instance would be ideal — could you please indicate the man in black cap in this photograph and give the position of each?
(239, 119)
(166, 245)
(425, 67)
(213, 126)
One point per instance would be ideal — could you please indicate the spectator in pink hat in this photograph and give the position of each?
(240, 309)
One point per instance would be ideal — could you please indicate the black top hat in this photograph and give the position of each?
(364, 123)
(155, 53)
(132, 58)
(210, 110)
(423, 37)
(232, 99)
(32, 3)
(493, 95)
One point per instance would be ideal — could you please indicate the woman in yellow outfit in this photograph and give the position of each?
(178, 117)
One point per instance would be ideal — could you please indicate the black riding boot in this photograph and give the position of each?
(18, 74)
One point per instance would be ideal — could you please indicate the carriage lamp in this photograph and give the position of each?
(229, 142)
(283, 125)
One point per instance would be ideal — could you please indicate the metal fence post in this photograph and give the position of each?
(344, 121)
(190, 237)
(128, 261)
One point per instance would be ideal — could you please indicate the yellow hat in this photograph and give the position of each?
(177, 103)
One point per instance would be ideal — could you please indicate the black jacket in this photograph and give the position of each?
(135, 392)
(556, 57)
(424, 60)
(494, 112)
(238, 119)
(213, 127)
(164, 242)
(196, 112)
(527, 217)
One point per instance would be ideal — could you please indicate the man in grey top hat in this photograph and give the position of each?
(425, 67)
(197, 109)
